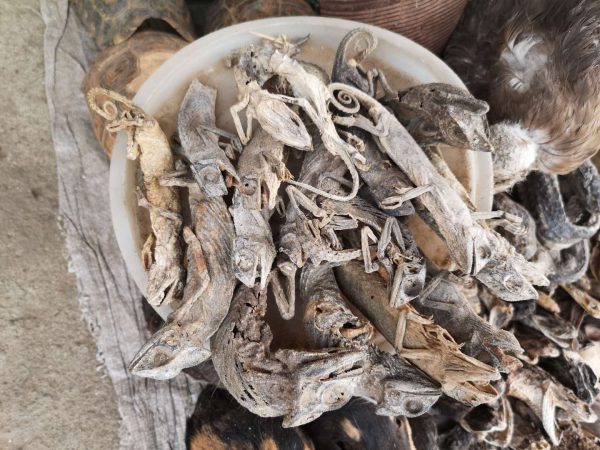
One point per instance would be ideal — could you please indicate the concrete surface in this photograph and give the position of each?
(52, 393)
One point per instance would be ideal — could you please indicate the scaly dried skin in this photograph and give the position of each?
(541, 194)
(386, 182)
(548, 399)
(475, 249)
(313, 96)
(253, 248)
(419, 340)
(467, 244)
(302, 385)
(525, 243)
(184, 340)
(438, 113)
(147, 142)
(328, 321)
(397, 250)
(450, 309)
(261, 171)
(200, 142)
(297, 240)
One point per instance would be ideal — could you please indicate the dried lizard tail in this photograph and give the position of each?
(109, 110)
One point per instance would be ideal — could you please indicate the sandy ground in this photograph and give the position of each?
(52, 393)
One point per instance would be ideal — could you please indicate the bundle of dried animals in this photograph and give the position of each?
(285, 253)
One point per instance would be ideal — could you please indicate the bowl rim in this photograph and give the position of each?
(482, 184)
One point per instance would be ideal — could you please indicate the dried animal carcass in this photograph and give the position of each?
(306, 288)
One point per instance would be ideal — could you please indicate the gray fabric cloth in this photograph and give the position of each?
(153, 412)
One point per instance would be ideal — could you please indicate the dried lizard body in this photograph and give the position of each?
(468, 247)
(300, 239)
(300, 385)
(253, 248)
(397, 387)
(574, 373)
(261, 171)
(351, 51)
(416, 338)
(397, 251)
(162, 253)
(270, 110)
(450, 309)
(562, 222)
(475, 250)
(200, 140)
(438, 113)
(184, 340)
(548, 399)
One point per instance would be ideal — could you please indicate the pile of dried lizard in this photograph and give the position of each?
(296, 272)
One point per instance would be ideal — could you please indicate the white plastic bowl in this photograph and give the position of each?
(404, 62)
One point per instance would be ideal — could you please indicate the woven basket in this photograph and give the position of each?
(428, 22)
(224, 13)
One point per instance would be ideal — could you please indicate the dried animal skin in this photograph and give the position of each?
(184, 340)
(419, 340)
(253, 247)
(574, 373)
(555, 328)
(270, 110)
(471, 246)
(199, 141)
(564, 265)
(389, 186)
(304, 384)
(312, 96)
(438, 113)
(556, 228)
(548, 399)
(328, 321)
(297, 239)
(468, 247)
(450, 309)
(351, 51)
(261, 171)
(162, 252)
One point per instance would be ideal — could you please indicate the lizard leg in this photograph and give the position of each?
(405, 194)
(365, 234)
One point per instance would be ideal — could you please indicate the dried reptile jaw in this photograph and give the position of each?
(545, 396)
(167, 353)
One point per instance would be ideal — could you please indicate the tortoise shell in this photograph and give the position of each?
(110, 22)
(124, 67)
(224, 13)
